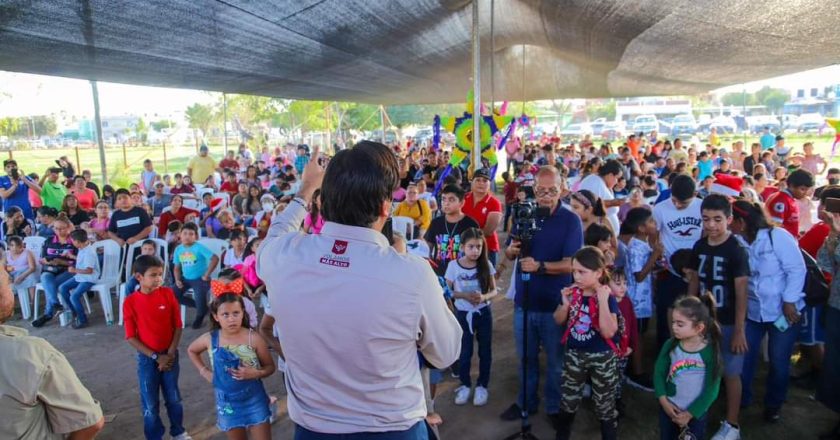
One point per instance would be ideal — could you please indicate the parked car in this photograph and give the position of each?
(424, 135)
(723, 124)
(683, 124)
(598, 125)
(810, 122)
(645, 124)
(790, 122)
(757, 124)
(576, 131)
(613, 130)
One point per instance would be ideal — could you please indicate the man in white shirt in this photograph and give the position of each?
(352, 313)
(680, 225)
(602, 185)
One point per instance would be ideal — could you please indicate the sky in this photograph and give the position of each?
(26, 94)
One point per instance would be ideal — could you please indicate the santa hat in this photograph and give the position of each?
(727, 185)
(217, 204)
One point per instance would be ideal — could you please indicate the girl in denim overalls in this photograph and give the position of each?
(239, 360)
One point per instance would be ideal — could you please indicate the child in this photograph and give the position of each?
(470, 278)
(444, 233)
(192, 265)
(510, 198)
(231, 281)
(720, 264)
(153, 328)
(253, 284)
(687, 371)
(21, 266)
(601, 237)
(313, 222)
(590, 314)
(643, 252)
(46, 217)
(618, 287)
(99, 225)
(782, 206)
(239, 360)
(86, 273)
(236, 254)
(147, 248)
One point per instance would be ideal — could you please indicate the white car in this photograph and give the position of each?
(576, 131)
(645, 124)
(810, 122)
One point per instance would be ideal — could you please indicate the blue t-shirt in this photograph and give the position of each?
(194, 260)
(19, 198)
(583, 336)
(767, 141)
(705, 167)
(559, 237)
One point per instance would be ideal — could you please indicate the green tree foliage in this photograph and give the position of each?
(162, 124)
(201, 117)
(604, 110)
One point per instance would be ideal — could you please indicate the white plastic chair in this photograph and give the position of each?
(191, 204)
(163, 253)
(33, 244)
(109, 277)
(217, 247)
(222, 195)
(403, 225)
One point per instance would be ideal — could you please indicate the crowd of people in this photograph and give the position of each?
(710, 248)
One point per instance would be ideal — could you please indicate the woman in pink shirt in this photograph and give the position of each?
(313, 222)
(87, 197)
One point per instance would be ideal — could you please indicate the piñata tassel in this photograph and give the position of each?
(443, 175)
(436, 134)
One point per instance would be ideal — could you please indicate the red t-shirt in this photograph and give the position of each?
(168, 216)
(768, 191)
(152, 318)
(479, 211)
(631, 326)
(229, 163)
(784, 210)
(812, 241)
(230, 188)
(510, 192)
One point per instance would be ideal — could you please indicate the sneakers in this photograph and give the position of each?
(641, 382)
(462, 395)
(182, 436)
(41, 320)
(480, 397)
(727, 432)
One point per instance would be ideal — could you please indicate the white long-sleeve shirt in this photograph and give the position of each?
(351, 314)
(778, 275)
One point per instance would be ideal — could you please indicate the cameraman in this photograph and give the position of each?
(14, 189)
(549, 262)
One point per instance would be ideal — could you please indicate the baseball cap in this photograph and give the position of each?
(204, 148)
(481, 172)
(780, 137)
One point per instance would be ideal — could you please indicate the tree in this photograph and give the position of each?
(9, 126)
(773, 99)
(601, 110)
(141, 130)
(737, 99)
(200, 117)
(162, 124)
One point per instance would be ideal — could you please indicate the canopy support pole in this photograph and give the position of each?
(99, 139)
(224, 122)
(476, 61)
(328, 116)
(382, 121)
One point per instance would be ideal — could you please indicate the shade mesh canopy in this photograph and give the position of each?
(418, 51)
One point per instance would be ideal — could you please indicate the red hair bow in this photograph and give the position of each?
(219, 287)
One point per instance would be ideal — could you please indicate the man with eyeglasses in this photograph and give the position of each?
(549, 263)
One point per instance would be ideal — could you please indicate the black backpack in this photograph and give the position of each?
(816, 288)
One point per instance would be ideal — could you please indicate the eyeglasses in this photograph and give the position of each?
(542, 192)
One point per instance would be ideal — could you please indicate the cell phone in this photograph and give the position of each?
(832, 205)
(782, 323)
(14, 174)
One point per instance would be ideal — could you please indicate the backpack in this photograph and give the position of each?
(574, 315)
(816, 288)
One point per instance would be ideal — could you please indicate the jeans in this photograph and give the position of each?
(482, 326)
(542, 331)
(668, 430)
(668, 289)
(416, 432)
(51, 283)
(508, 212)
(493, 256)
(200, 289)
(780, 349)
(152, 382)
(79, 288)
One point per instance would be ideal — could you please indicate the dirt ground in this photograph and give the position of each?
(106, 365)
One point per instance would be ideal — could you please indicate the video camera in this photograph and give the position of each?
(525, 215)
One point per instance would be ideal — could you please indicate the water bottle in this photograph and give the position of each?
(65, 318)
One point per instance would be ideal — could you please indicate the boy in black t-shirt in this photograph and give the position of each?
(720, 264)
(129, 223)
(444, 233)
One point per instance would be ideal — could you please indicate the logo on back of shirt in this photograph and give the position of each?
(688, 226)
(339, 247)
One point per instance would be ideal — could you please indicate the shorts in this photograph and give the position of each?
(733, 363)
(812, 328)
(435, 376)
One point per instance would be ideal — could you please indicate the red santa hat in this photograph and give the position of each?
(217, 204)
(727, 185)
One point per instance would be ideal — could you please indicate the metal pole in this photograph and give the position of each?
(224, 122)
(78, 160)
(328, 146)
(476, 60)
(744, 102)
(165, 161)
(382, 121)
(99, 139)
